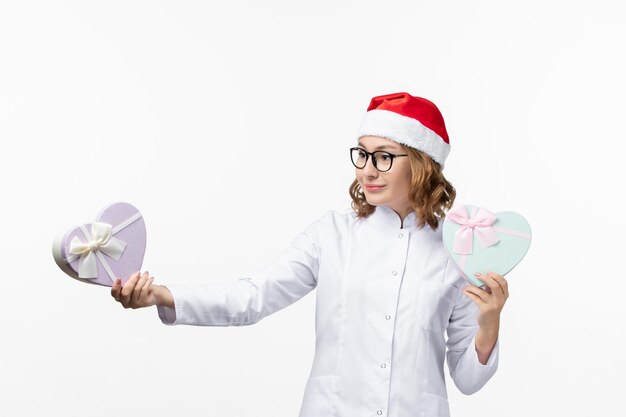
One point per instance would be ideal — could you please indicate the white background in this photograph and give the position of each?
(228, 126)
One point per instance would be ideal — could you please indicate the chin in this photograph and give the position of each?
(373, 201)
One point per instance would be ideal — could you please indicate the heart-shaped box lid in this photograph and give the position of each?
(112, 246)
(477, 240)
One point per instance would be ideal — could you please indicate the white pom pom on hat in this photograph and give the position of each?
(409, 120)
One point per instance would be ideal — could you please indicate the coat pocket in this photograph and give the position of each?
(436, 303)
(436, 406)
(319, 396)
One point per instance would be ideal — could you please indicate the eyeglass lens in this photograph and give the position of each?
(383, 159)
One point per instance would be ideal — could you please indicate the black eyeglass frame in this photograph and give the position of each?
(374, 160)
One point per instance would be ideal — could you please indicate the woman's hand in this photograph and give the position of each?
(489, 300)
(138, 291)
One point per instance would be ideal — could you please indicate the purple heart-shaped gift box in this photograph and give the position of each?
(113, 246)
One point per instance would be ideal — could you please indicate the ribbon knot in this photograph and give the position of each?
(479, 224)
(102, 240)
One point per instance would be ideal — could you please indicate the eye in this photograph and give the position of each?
(385, 157)
(361, 154)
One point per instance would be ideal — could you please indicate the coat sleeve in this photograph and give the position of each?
(286, 279)
(468, 374)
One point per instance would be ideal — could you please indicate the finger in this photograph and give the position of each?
(134, 297)
(503, 283)
(128, 287)
(474, 293)
(477, 291)
(115, 289)
(145, 290)
(493, 276)
(491, 283)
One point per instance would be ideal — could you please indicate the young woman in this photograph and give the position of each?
(387, 292)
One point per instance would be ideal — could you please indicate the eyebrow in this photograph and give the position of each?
(380, 147)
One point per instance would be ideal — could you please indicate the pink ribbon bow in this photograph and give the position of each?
(480, 224)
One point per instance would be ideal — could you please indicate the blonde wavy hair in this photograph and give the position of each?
(431, 195)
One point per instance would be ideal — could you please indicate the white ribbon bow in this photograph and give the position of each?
(102, 240)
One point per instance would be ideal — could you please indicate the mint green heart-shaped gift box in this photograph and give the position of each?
(480, 241)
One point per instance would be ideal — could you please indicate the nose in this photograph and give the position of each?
(369, 169)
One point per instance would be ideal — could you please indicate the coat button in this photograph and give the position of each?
(387, 316)
(383, 365)
(379, 412)
(394, 273)
(400, 235)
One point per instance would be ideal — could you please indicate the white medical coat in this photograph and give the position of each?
(387, 294)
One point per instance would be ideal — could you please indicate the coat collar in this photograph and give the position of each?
(385, 217)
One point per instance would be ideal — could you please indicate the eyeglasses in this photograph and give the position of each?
(382, 160)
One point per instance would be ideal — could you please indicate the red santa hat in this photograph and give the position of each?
(409, 120)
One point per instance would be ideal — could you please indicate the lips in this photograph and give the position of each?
(373, 187)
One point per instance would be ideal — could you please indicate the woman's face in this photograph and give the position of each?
(395, 183)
